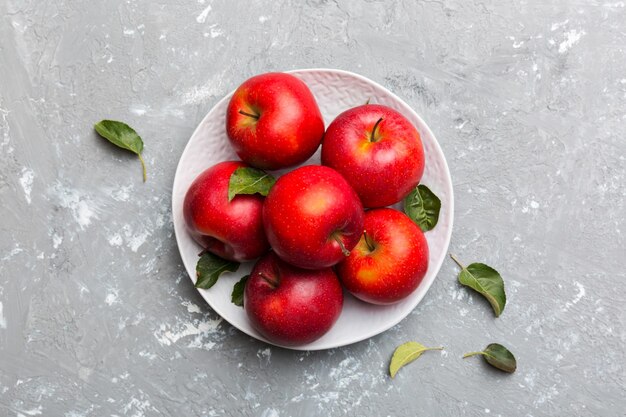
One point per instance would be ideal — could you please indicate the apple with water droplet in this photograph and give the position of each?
(233, 229)
(312, 217)
(377, 150)
(390, 260)
(273, 121)
(289, 305)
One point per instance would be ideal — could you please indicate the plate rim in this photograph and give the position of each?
(438, 262)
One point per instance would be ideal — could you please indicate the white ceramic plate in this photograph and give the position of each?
(335, 92)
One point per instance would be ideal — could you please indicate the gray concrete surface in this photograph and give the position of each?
(97, 315)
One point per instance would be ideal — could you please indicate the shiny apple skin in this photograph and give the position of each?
(232, 230)
(384, 171)
(289, 305)
(289, 127)
(304, 212)
(395, 267)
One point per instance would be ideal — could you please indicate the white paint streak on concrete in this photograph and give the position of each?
(137, 407)
(191, 307)
(546, 395)
(558, 25)
(516, 44)
(32, 412)
(270, 412)
(26, 181)
(3, 321)
(56, 240)
(139, 109)
(112, 297)
(136, 240)
(12, 253)
(571, 38)
(581, 292)
(265, 355)
(202, 16)
(6, 130)
(122, 193)
(115, 239)
(346, 372)
(198, 95)
(202, 329)
(80, 206)
(579, 296)
(215, 31)
(148, 355)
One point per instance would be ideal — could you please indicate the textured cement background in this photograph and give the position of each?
(97, 315)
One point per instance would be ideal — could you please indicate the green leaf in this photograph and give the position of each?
(123, 136)
(405, 354)
(497, 356)
(210, 267)
(423, 206)
(485, 280)
(238, 289)
(247, 180)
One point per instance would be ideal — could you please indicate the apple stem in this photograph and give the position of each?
(368, 101)
(254, 116)
(345, 251)
(457, 261)
(373, 135)
(368, 242)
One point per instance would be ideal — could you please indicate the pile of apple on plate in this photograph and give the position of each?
(317, 230)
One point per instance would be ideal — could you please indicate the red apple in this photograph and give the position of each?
(273, 121)
(312, 217)
(289, 305)
(389, 261)
(377, 150)
(232, 230)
